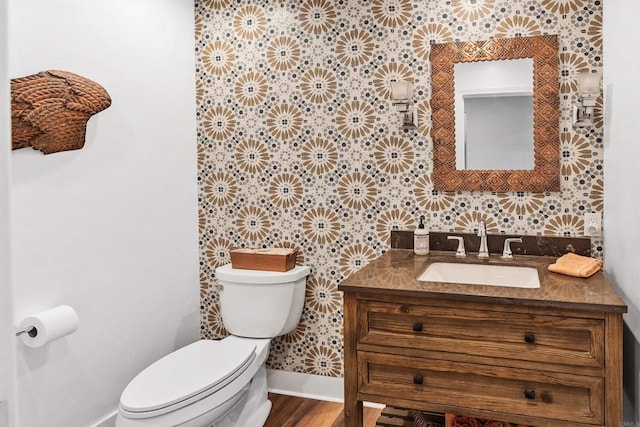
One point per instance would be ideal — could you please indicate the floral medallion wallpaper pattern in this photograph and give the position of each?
(299, 146)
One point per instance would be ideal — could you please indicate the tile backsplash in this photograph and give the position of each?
(299, 146)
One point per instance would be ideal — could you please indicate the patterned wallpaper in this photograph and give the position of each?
(299, 146)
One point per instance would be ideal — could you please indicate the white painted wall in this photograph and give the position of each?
(622, 181)
(7, 346)
(110, 229)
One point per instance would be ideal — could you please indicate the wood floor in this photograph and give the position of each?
(290, 411)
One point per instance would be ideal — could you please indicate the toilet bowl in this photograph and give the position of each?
(221, 383)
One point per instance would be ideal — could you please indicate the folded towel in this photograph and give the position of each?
(576, 265)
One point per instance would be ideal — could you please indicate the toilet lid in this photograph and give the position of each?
(201, 368)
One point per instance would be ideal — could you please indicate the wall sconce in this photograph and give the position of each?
(588, 92)
(401, 94)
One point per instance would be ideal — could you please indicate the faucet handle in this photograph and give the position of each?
(460, 252)
(506, 251)
(482, 229)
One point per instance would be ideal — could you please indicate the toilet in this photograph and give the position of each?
(221, 383)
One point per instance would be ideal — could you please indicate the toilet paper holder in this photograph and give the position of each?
(32, 331)
(41, 328)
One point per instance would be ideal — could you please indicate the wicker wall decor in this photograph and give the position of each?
(545, 176)
(50, 110)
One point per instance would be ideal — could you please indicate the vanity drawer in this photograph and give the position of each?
(519, 392)
(560, 343)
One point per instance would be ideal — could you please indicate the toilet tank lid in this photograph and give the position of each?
(236, 275)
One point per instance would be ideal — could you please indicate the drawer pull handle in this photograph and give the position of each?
(417, 327)
(530, 337)
(417, 379)
(529, 393)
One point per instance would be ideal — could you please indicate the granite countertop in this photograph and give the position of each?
(395, 273)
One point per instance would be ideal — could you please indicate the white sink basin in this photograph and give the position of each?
(482, 274)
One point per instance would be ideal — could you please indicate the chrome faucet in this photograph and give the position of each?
(483, 252)
(506, 252)
(460, 252)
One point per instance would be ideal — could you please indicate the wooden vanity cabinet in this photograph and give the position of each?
(537, 366)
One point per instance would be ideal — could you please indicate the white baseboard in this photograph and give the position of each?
(309, 386)
(109, 421)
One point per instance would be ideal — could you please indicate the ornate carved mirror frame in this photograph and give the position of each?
(545, 176)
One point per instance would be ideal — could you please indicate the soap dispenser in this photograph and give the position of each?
(421, 239)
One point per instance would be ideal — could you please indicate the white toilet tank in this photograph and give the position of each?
(261, 304)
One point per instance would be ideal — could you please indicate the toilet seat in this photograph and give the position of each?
(157, 390)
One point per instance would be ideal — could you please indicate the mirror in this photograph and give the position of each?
(495, 112)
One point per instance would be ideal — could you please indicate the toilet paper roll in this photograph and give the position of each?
(49, 325)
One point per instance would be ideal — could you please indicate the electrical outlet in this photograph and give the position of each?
(593, 224)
